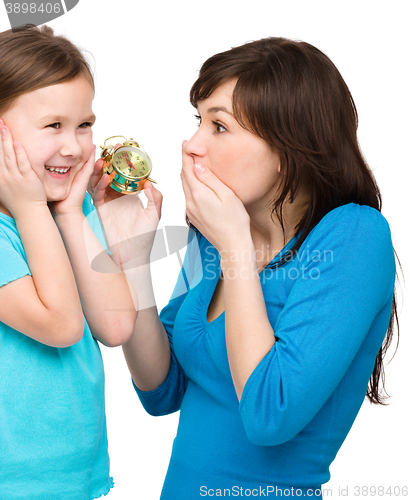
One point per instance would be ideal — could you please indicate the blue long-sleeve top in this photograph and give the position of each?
(329, 308)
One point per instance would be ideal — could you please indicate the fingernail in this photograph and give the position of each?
(199, 167)
(4, 131)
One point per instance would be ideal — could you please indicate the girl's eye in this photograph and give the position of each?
(199, 119)
(86, 124)
(219, 127)
(55, 125)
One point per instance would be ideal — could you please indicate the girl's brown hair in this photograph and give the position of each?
(32, 58)
(291, 95)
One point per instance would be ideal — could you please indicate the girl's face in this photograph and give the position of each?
(54, 126)
(240, 159)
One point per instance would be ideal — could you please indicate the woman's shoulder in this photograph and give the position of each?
(353, 220)
(359, 233)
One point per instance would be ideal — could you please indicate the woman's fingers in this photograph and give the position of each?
(193, 170)
(203, 174)
(154, 197)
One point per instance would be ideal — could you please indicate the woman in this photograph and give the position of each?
(278, 318)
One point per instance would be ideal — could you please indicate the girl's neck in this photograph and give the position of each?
(3, 210)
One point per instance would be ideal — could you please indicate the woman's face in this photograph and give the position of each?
(54, 126)
(240, 159)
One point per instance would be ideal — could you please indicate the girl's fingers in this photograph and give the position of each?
(23, 162)
(99, 191)
(95, 176)
(8, 149)
(83, 175)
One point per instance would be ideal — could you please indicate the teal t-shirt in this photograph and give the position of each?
(53, 436)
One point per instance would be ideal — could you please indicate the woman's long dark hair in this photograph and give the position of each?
(291, 95)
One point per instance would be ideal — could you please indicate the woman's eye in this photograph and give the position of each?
(86, 124)
(55, 125)
(199, 119)
(219, 127)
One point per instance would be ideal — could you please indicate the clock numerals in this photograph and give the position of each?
(134, 163)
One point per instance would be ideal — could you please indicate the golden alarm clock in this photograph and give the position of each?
(127, 165)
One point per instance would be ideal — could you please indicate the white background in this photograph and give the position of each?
(146, 55)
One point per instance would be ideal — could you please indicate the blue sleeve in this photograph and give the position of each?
(326, 317)
(16, 266)
(167, 398)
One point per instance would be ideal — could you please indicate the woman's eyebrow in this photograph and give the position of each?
(215, 109)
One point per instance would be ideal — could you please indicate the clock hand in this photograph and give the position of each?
(127, 159)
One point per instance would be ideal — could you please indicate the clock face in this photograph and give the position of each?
(131, 162)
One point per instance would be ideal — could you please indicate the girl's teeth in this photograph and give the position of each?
(58, 170)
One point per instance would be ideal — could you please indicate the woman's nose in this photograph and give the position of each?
(195, 146)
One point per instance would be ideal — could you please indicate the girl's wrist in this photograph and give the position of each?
(32, 212)
(68, 218)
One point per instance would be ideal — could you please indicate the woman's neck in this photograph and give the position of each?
(268, 235)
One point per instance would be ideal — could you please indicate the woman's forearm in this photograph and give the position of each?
(148, 352)
(249, 334)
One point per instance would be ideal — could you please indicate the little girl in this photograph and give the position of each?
(53, 437)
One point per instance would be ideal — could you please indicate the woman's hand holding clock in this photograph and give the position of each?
(129, 227)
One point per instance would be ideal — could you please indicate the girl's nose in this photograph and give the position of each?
(71, 146)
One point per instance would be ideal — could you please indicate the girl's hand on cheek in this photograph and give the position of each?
(212, 207)
(73, 204)
(20, 187)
